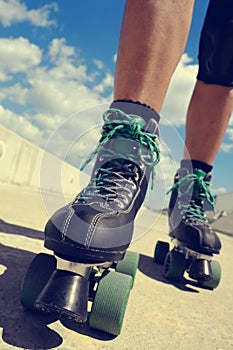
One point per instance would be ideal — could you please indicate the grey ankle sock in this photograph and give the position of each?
(136, 108)
(197, 164)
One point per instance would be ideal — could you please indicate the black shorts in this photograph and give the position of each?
(216, 44)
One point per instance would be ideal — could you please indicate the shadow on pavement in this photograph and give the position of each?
(155, 271)
(20, 230)
(22, 328)
(84, 329)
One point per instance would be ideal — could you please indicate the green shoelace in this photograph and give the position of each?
(131, 128)
(199, 186)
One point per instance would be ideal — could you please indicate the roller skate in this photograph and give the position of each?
(194, 241)
(90, 275)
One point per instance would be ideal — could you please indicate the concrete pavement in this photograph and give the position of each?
(160, 315)
(224, 224)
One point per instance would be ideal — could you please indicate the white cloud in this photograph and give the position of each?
(227, 146)
(114, 58)
(50, 92)
(99, 64)
(229, 132)
(15, 11)
(231, 120)
(59, 51)
(179, 92)
(4, 77)
(219, 190)
(17, 55)
(106, 83)
(20, 124)
(68, 65)
(14, 93)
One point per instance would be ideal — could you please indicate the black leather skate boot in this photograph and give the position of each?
(189, 226)
(187, 218)
(98, 225)
(89, 236)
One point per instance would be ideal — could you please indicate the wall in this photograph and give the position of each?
(25, 164)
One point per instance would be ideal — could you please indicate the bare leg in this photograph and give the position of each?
(153, 37)
(207, 118)
(208, 114)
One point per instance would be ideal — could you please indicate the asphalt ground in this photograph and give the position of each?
(160, 315)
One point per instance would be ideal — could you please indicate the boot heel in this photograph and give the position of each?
(66, 293)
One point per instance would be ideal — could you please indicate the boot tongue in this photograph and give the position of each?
(197, 190)
(200, 173)
(192, 185)
(124, 147)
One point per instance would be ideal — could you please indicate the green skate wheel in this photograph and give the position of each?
(174, 266)
(212, 284)
(129, 264)
(36, 277)
(110, 302)
(161, 250)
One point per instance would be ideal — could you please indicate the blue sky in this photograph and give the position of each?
(58, 58)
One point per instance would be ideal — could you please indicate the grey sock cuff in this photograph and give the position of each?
(132, 108)
(197, 164)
